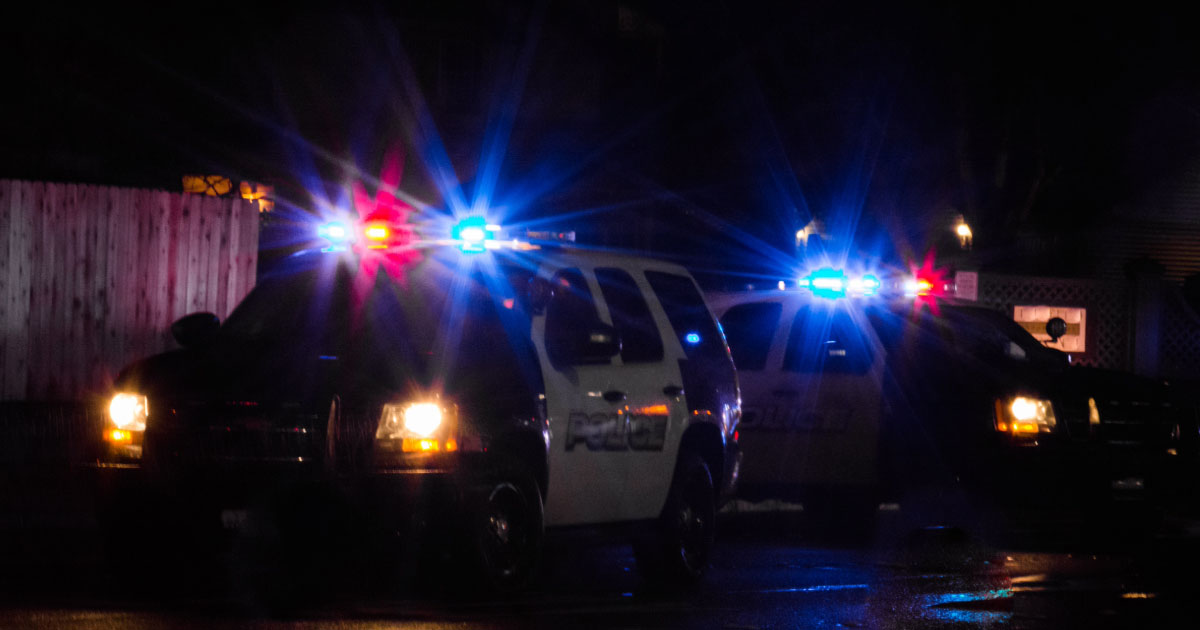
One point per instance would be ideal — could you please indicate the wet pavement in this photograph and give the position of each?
(771, 569)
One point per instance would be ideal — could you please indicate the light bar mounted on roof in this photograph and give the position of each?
(831, 283)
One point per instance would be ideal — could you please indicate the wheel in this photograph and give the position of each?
(506, 528)
(339, 453)
(683, 536)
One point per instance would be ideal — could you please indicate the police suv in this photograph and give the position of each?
(496, 387)
(812, 373)
(856, 395)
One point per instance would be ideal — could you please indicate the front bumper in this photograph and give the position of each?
(1070, 473)
(219, 497)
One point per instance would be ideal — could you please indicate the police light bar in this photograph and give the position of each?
(834, 283)
(377, 235)
(917, 287)
(474, 234)
(334, 231)
(536, 235)
(337, 234)
(471, 235)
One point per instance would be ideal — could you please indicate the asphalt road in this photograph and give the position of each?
(774, 569)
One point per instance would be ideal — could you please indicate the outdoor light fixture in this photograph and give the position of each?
(963, 232)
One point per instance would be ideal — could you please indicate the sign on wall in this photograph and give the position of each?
(1034, 318)
(966, 285)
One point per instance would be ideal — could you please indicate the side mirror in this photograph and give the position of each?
(1056, 328)
(195, 330)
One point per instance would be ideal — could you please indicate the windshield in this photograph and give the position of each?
(416, 325)
(990, 333)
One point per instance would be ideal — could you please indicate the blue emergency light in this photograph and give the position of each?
(337, 234)
(334, 231)
(831, 283)
(474, 234)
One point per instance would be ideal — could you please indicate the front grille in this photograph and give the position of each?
(275, 444)
(1122, 422)
(203, 434)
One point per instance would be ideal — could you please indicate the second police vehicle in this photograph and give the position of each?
(859, 391)
(515, 385)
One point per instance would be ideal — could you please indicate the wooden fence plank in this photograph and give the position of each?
(218, 266)
(247, 255)
(50, 344)
(143, 323)
(229, 261)
(21, 241)
(8, 331)
(192, 239)
(84, 217)
(91, 278)
(160, 296)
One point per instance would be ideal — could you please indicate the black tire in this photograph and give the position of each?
(681, 542)
(342, 441)
(505, 528)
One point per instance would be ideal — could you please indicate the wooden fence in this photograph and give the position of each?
(91, 278)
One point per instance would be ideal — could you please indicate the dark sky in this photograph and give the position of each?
(736, 118)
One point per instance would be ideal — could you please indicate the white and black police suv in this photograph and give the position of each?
(497, 387)
(860, 391)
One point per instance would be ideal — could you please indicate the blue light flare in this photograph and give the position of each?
(334, 232)
(828, 283)
(475, 233)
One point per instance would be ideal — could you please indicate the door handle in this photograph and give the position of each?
(672, 390)
(614, 395)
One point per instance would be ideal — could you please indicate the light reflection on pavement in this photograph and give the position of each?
(764, 575)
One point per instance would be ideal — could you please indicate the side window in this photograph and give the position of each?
(569, 311)
(689, 316)
(826, 340)
(749, 329)
(640, 342)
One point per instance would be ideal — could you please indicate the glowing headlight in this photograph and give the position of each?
(1023, 415)
(422, 418)
(129, 411)
(418, 426)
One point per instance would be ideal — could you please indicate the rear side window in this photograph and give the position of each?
(685, 308)
(640, 342)
(749, 329)
(827, 340)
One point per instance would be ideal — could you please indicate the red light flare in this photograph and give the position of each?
(391, 248)
(936, 280)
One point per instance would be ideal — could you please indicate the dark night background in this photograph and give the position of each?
(706, 131)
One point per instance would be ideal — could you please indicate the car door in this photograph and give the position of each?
(647, 370)
(756, 340)
(813, 410)
(832, 367)
(585, 408)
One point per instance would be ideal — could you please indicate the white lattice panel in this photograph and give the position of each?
(1107, 305)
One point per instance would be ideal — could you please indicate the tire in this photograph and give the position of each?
(505, 527)
(682, 539)
(339, 452)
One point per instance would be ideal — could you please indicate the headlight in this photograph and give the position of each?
(128, 412)
(418, 426)
(1024, 415)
